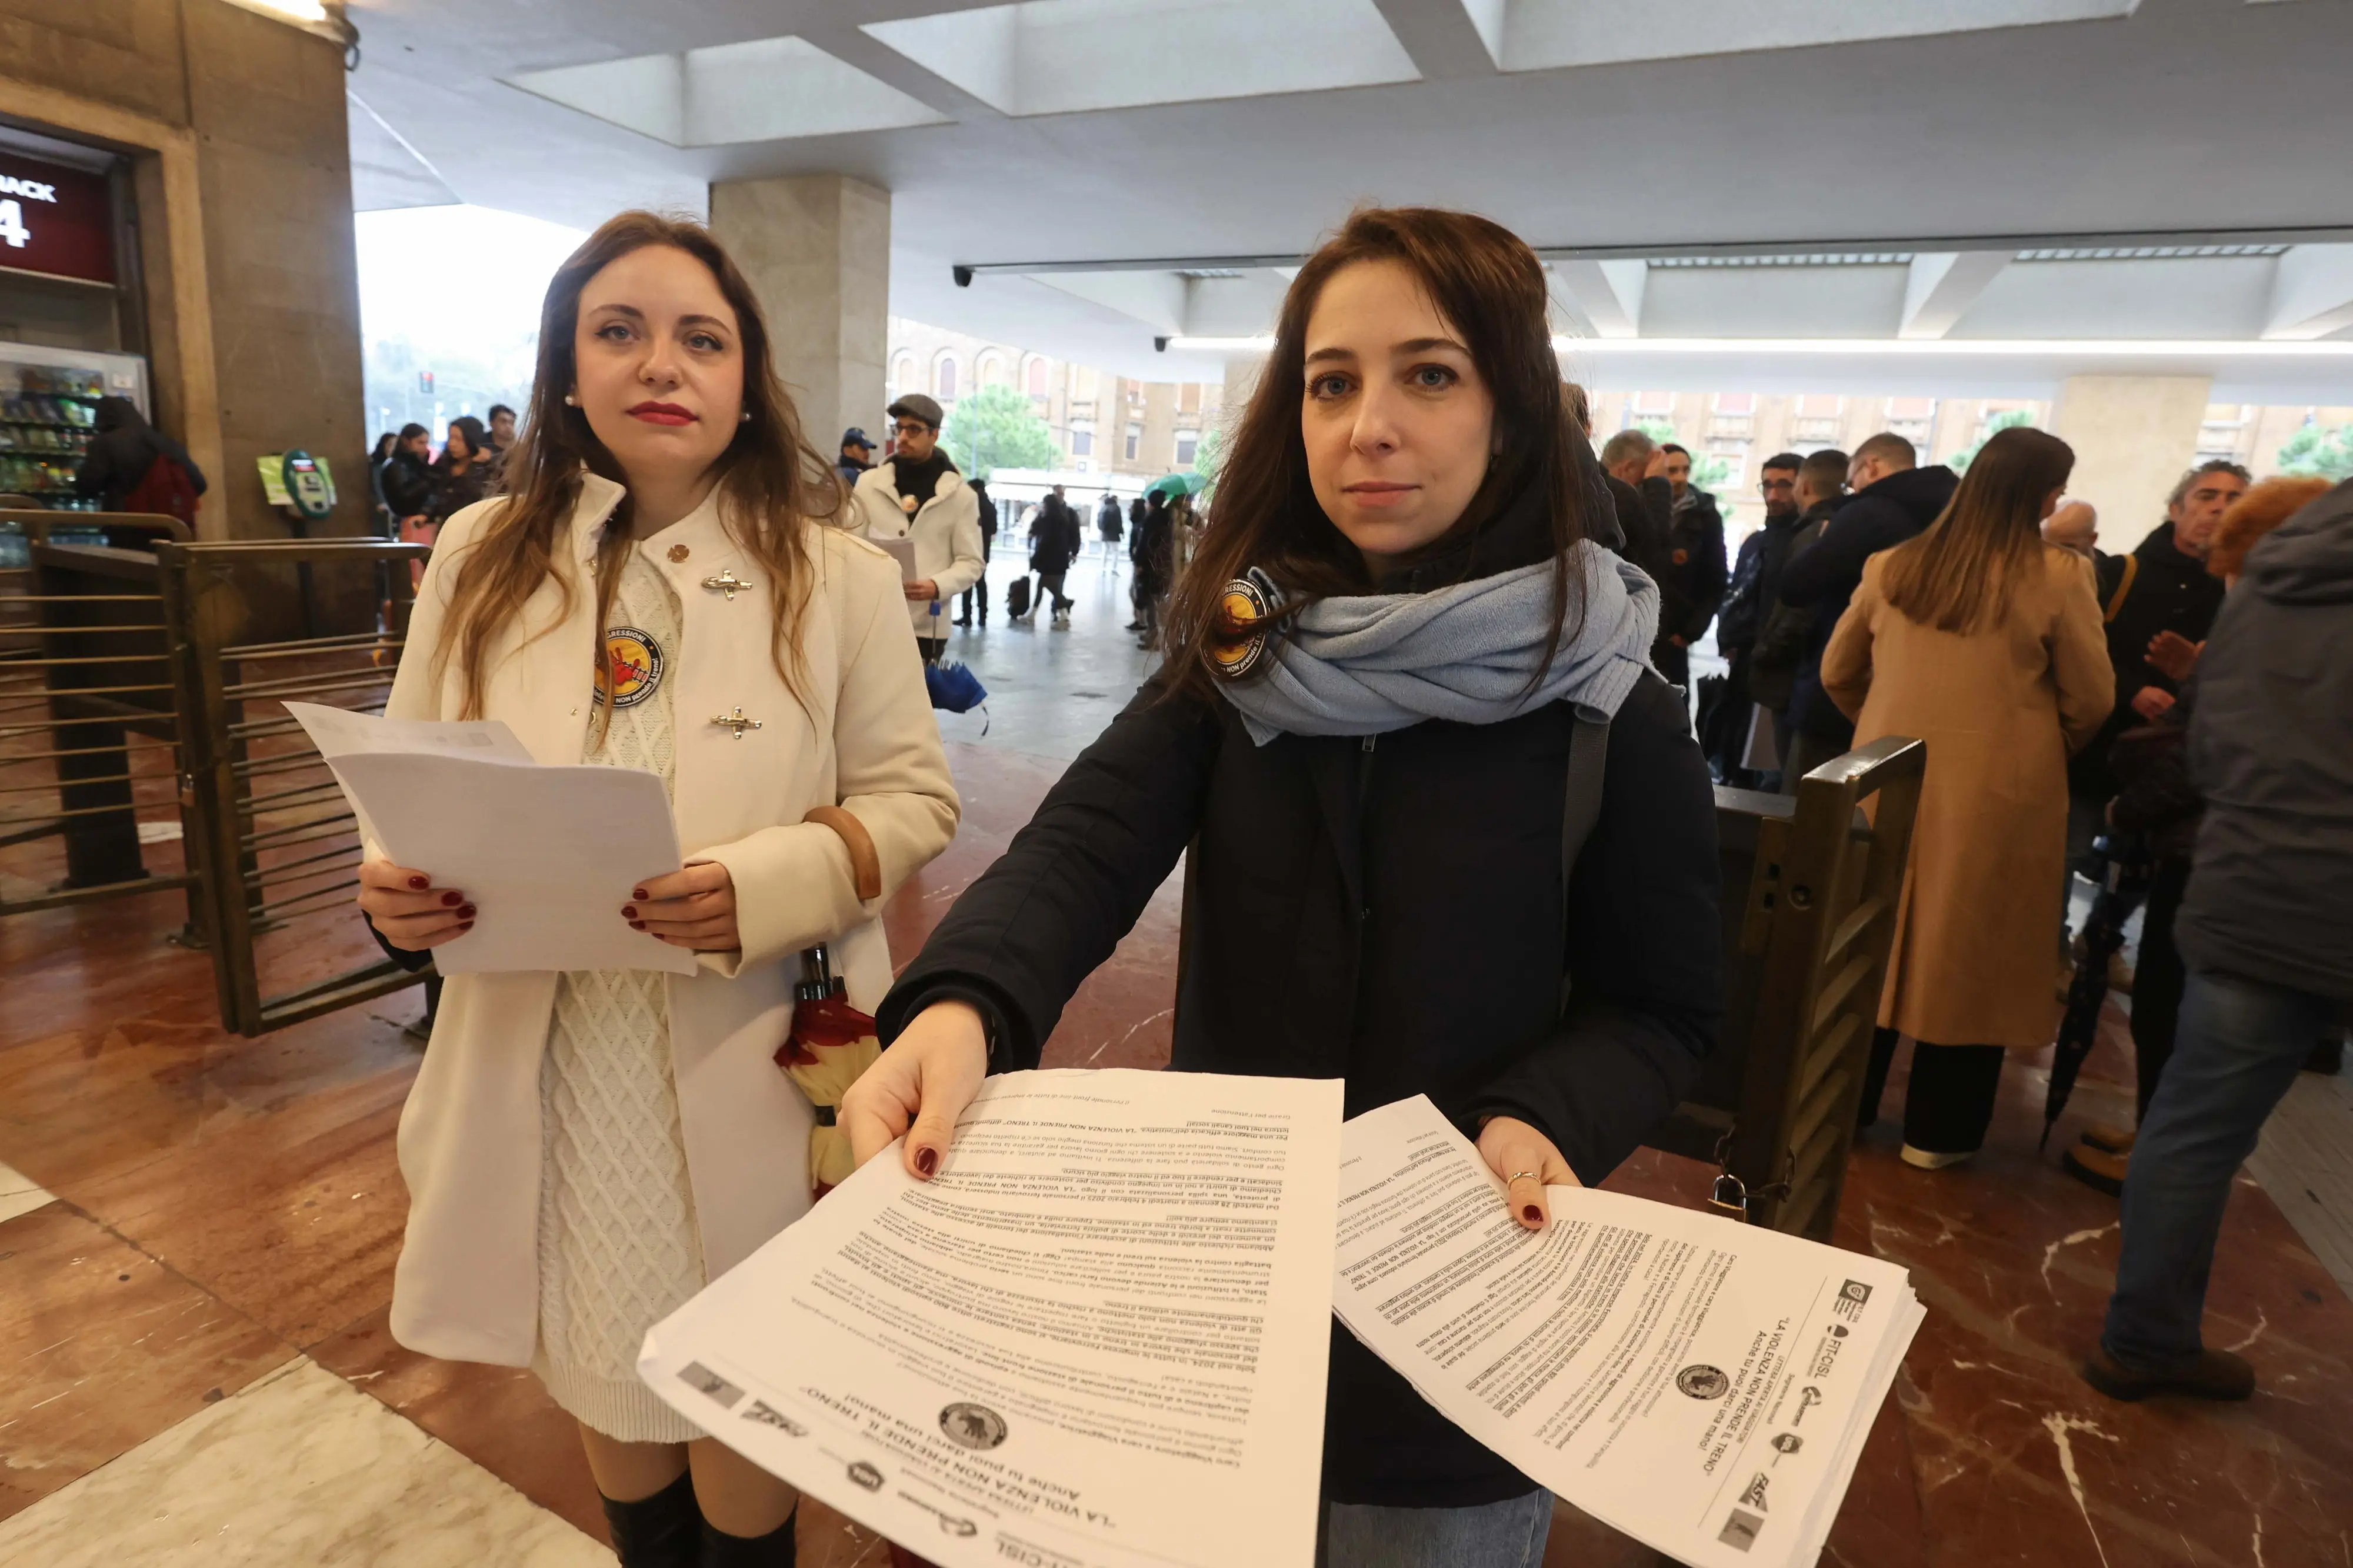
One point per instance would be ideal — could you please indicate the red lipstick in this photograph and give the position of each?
(669, 414)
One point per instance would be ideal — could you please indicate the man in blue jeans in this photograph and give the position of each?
(2266, 930)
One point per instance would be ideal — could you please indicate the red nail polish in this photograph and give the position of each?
(453, 897)
(419, 884)
(1532, 1215)
(638, 893)
(629, 911)
(467, 914)
(636, 925)
(927, 1161)
(464, 928)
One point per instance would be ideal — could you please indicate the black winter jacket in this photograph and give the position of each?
(1387, 911)
(1823, 577)
(120, 454)
(1054, 537)
(2271, 747)
(1689, 569)
(407, 487)
(1755, 589)
(2171, 591)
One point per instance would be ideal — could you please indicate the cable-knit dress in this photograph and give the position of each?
(618, 1247)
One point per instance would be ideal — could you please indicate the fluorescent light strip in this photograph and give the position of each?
(1950, 348)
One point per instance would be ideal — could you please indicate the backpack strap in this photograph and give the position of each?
(2124, 586)
(1589, 759)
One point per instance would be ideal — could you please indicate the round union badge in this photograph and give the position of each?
(632, 667)
(1702, 1382)
(972, 1426)
(1246, 601)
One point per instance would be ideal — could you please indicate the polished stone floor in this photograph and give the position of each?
(198, 1233)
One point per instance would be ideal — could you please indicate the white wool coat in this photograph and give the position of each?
(466, 1285)
(945, 529)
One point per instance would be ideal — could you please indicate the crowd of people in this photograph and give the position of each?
(1466, 606)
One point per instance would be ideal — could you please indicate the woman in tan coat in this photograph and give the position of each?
(584, 1151)
(1986, 643)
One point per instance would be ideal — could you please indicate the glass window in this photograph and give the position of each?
(1134, 441)
(1736, 402)
(1651, 405)
(1082, 440)
(943, 379)
(992, 369)
(1037, 378)
(902, 376)
(1188, 443)
(1188, 397)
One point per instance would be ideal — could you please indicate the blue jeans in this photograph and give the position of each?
(1509, 1534)
(2237, 1050)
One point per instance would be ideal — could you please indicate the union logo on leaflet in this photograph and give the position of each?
(631, 669)
(1702, 1382)
(972, 1426)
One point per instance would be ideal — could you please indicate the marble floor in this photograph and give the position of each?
(197, 1233)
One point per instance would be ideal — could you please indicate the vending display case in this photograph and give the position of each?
(49, 401)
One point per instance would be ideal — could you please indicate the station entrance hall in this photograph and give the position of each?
(1318, 783)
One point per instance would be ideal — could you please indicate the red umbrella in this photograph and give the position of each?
(830, 1044)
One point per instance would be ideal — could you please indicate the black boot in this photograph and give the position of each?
(664, 1530)
(774, 1550)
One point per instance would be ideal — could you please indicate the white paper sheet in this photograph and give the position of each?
(1096, 1340)
(902, 551)
(546, 854)
(1703, 1385)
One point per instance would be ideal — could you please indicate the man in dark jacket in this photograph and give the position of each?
(979, 588)
(1692, 574)
(1755, 587)
(122, 454)
(856, 456)
(2161, 587)
(1055, 543)
(2266, 929)
(1893, 501)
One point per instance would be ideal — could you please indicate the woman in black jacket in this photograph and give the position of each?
(1371, 771)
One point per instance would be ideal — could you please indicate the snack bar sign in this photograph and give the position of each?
(55, 220)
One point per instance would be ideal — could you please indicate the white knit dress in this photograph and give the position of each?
(618, 1247)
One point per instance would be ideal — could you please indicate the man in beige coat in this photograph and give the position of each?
(917, 494)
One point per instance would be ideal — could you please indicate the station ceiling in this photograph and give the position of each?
(2069, 177)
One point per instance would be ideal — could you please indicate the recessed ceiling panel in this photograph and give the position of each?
(1547, 35)
(1062, 57)
(766, 89)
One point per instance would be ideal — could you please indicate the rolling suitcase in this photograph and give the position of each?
(1016, 597)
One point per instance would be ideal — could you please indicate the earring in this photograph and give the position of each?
(745, 417)
(571, 400)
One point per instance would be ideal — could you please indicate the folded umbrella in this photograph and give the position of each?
(2125, 880)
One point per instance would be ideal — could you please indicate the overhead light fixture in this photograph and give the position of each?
(1952, 348)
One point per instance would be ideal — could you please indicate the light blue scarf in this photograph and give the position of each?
(1369, 665)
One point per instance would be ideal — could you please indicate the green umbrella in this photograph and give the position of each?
(1174, 485)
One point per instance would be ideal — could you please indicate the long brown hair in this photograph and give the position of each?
(1959, 574)
(1490, 287)
(771, 482)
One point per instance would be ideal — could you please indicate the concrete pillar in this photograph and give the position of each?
(817, 249)
(2132, 436)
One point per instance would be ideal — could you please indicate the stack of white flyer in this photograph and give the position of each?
(1096, 1339)
(1700, 1385)
(547, 853)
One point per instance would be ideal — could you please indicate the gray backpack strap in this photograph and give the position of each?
(1588, 760)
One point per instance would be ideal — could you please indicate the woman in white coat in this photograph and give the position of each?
(584, 1151)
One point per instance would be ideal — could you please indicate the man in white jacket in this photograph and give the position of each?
(917, 494)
